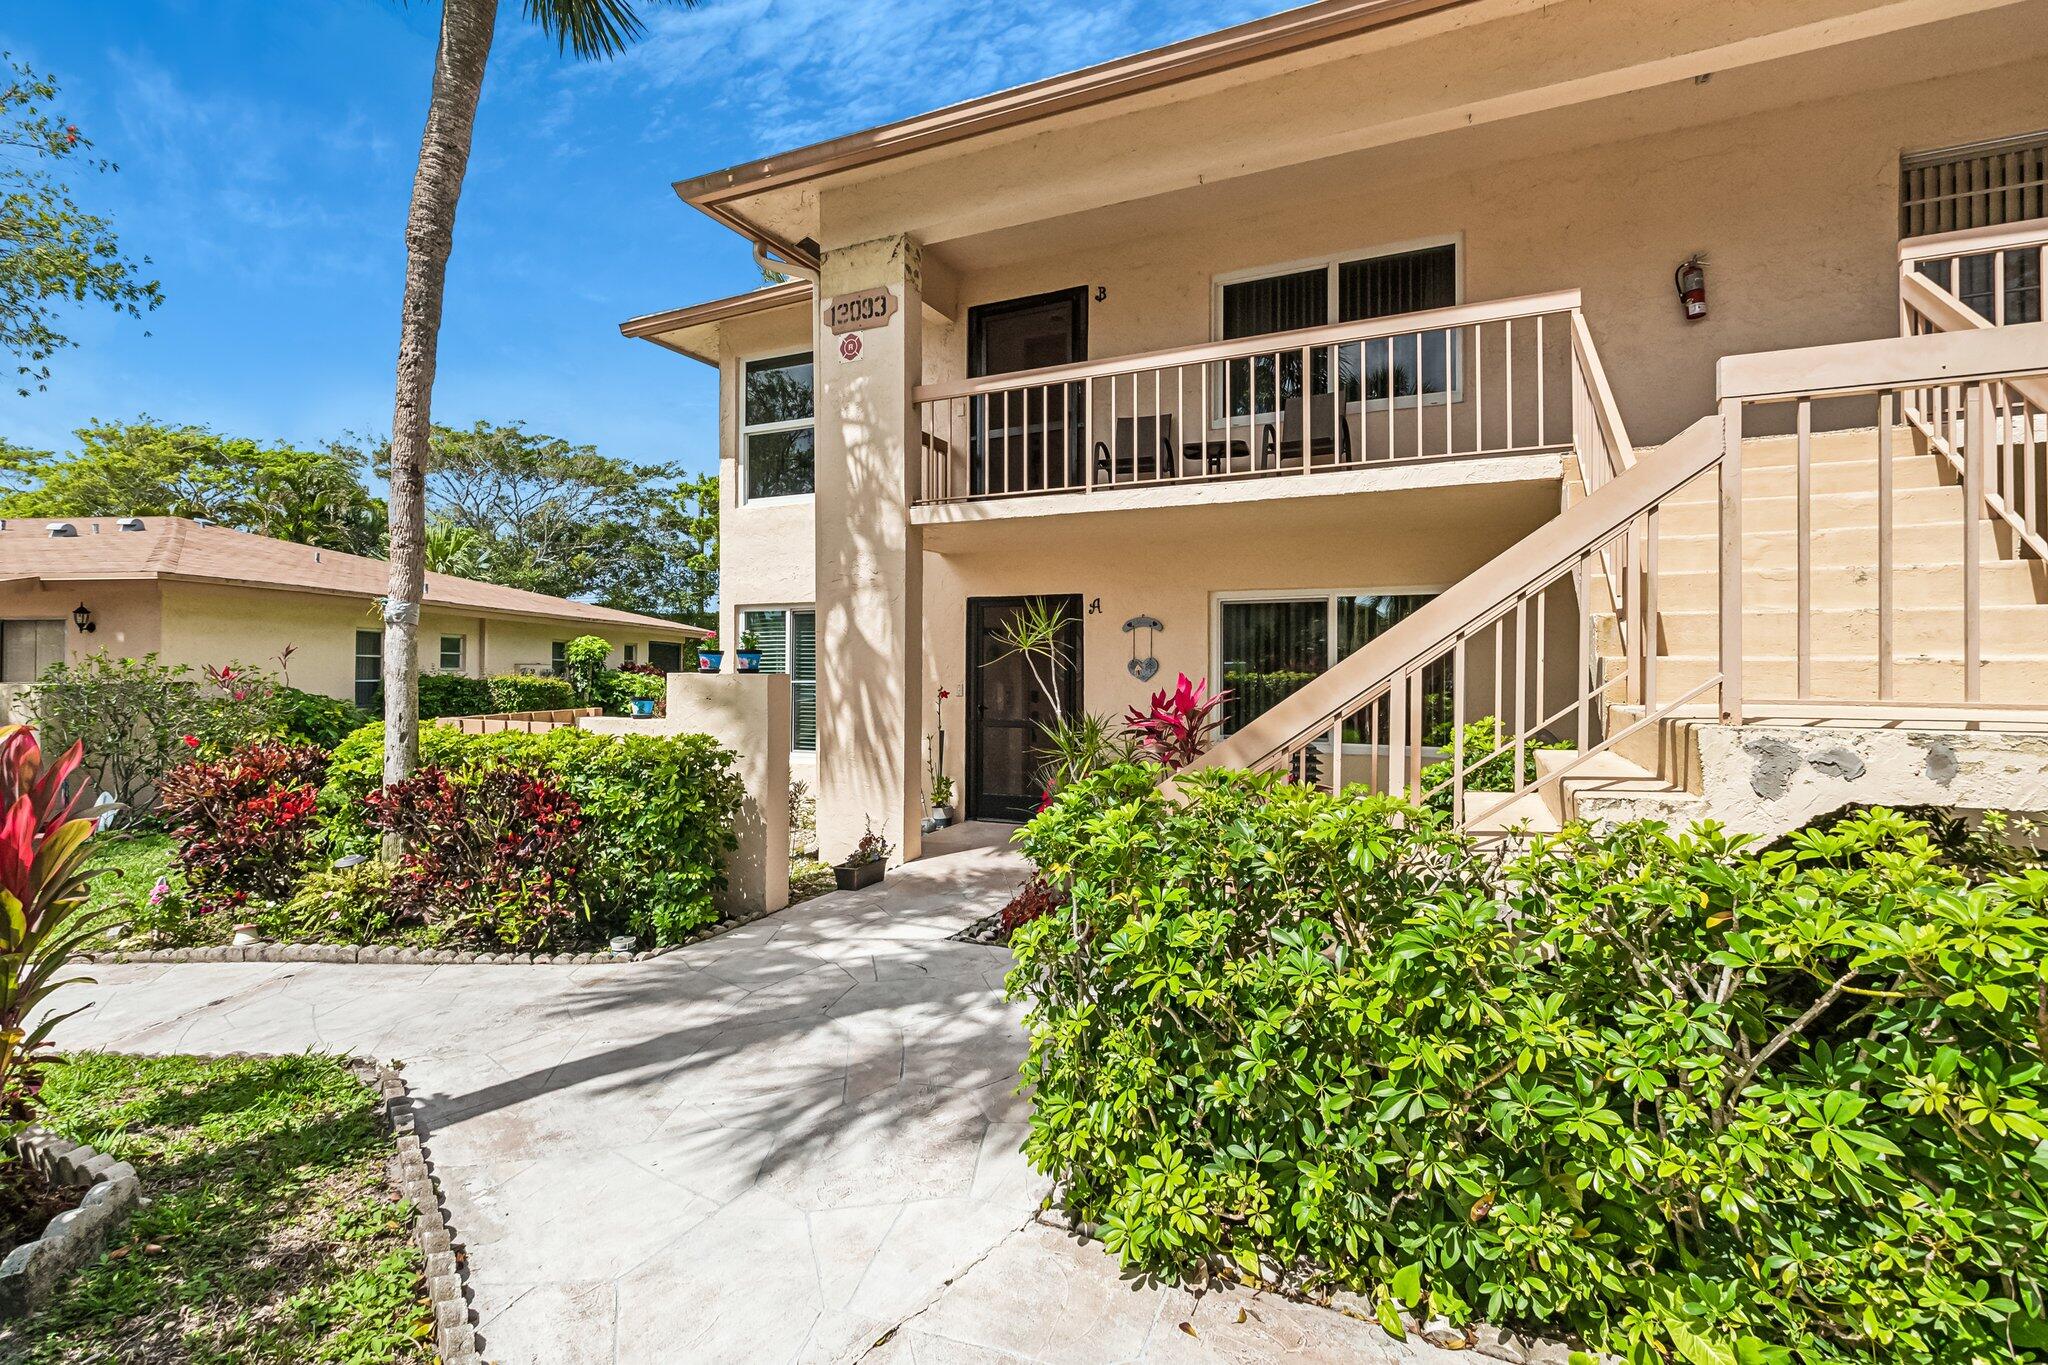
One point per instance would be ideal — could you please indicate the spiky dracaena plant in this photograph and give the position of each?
(1176, 729)
(43, 830)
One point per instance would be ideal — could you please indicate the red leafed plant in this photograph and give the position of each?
(43, 831)
(495, 855)
(1034, 899)
(1175, 730)
(242, 821)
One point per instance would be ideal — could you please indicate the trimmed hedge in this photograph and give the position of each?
(529, 692)
(1692, 1100)
(659, 811)
(453, 694)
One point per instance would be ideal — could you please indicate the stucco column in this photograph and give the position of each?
(870, 586)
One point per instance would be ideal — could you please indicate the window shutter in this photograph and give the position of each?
(1280, 303)
(771, 631)
(804, 688)
(1980, 184)
(1407, 282)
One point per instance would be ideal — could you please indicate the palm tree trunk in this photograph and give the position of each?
(466, 29)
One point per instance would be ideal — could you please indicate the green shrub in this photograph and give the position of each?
(659, 811)
(1495, 774)
(453, 694)
(315, 718)
(525, 692)
(1689, 1099)
(583, 661)
(621, 687)
(335, 905)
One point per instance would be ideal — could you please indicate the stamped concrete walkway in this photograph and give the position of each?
(796, 1142)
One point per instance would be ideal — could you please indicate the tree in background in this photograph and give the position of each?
(148, 469)
(52, 252)
(588, 28)
(668, 565)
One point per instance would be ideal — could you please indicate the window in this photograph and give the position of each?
(789, 644)
(775, 427)
(558, 657)
(451, 653)
(632, 655)
(1342, 289)
(665, 655)
(29, 647)
(369, 667)
(1268, 649)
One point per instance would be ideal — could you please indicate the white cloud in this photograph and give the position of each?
(790, 72)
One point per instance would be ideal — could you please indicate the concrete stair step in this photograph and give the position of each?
(1936, 680)
(1936, 506)
(1932, 582)
(2008, 629)
(1836, 547)
(1909, 471)
(1497, 813)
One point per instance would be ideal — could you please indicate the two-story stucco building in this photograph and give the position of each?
(1246, 349)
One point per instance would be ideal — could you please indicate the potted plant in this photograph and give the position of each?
(710, 658)
(942, 799)
(747, 659)
(643, 707)
(865, 865)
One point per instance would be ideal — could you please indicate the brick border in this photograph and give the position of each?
(34, 1270)
(446, 1265)
(411, 1171)
(381, 956)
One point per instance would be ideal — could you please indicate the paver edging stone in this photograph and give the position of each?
(380, 955)
(1483, 1339)
(110, 1191)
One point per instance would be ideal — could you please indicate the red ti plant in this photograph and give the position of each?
(1176, 729)
(43, 829)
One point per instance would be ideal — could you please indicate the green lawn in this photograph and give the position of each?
(132, 864)
(272, 1233)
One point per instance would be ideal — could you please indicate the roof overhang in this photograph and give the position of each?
(720, 193)
(691, 331)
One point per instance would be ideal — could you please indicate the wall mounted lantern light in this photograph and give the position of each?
(82, 618)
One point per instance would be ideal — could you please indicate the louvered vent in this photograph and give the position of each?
(1981, 184)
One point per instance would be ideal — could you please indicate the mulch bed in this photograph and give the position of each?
(27, 1204)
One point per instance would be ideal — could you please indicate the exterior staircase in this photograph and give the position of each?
(1883, 584)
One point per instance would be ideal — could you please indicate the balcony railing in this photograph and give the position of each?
(1486, 379)
(1999, 273)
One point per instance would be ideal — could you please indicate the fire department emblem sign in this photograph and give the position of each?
(849, 346)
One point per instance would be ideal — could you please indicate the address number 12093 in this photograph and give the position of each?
(856, 312)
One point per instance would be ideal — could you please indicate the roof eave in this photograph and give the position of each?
(1291, 31)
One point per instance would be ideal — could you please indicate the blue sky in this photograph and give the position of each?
(266, 153)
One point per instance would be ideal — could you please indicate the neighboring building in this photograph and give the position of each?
(195, 594)
(1075, 339)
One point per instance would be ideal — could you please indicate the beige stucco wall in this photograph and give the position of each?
(1177, 567)
(1796, 210)
(767, 553)
(125, 614)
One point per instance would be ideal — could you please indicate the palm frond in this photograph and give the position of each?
(592, 28)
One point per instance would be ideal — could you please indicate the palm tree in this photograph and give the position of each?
(588, 29)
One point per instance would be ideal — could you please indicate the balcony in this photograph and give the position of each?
(1473, 394)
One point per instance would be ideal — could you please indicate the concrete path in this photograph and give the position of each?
(796, 1142)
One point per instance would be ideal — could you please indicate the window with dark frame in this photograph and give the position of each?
(1351, 289)
(451, 653)
(558, 657)
(777, 436)
(1270, 649)
(1980, 185)
(369, 667)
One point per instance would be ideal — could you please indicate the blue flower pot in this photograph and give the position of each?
(710, 660)
(747, 660)
(643, 707)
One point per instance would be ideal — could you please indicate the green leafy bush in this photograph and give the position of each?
(1494, 774)
(315, 718)
(335, 905)
(524, 692)
(1692, 1100)
(453, 694)
(621, 686)
(583, 663)
(658, 812)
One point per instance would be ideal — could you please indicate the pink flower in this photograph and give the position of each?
(159, 891)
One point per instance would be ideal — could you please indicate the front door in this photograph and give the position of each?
(1023, 440)
(1007, 707)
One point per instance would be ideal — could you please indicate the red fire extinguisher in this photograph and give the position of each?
(1691, 282)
